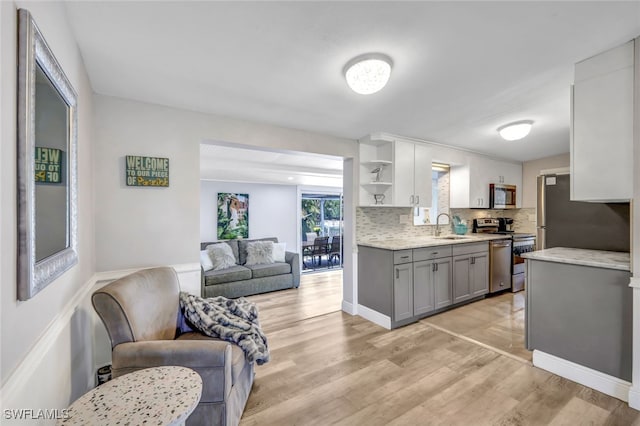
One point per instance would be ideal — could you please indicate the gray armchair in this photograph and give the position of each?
(142, 315)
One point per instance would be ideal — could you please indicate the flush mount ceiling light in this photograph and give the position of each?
(367, 74)
(516, 130)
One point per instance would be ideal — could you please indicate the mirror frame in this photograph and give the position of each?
(33, 50)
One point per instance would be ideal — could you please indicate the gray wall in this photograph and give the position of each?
(531, 169)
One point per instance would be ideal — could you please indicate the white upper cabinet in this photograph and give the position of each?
(404, 178)
(602, 126)
(470, 182)
(412, 174)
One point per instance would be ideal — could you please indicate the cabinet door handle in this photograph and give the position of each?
(411, 200)
(417, 199)
(397, 273)
(436, 266)
(472, 261)
(433, 267)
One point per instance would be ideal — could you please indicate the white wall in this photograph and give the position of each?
(61, 369)
(161, 226)
(272, 210)
(531, 169)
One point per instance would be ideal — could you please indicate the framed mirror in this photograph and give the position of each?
(47, 171)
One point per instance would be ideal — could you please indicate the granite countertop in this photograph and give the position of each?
(418, 242)
(598, 258)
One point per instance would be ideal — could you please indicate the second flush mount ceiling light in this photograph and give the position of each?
(516, 130)
(368, 73)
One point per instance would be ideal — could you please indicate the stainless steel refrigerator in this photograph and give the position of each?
(565, 223)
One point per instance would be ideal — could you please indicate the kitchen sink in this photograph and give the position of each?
(452, 237)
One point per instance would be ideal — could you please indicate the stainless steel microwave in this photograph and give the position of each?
(502, 196)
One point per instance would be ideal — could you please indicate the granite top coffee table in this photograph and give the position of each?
(158, 396)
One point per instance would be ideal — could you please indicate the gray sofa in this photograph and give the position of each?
(147, 329)
(245, 280)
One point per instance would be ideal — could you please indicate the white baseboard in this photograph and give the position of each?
(604, 383)
(374, 316)
(348, 308)
(634, 398)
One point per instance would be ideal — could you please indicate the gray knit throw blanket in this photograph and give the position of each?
(233, 320)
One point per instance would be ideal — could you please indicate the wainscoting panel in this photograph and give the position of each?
(62, 364)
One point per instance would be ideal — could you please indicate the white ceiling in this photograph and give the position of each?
(461, 69)
(237, 164)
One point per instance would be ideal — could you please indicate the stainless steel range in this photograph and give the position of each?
(520, 243)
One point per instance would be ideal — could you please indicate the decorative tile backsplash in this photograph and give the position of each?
(381, 223)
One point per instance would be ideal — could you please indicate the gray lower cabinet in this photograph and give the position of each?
(431, 285)
(442, 283)
(583, 314)
(403, 292)
(407, 285)
(470, 272)
(423, 287)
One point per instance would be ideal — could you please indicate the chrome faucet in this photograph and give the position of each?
(438, 223)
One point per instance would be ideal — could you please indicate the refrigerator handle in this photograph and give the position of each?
(540, 219)
(541, 242)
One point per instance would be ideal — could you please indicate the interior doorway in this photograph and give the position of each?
(321, 230)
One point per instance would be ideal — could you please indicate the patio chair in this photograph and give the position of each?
(335, 250)
(320, 248)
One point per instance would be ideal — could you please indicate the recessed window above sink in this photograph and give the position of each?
(439, 197)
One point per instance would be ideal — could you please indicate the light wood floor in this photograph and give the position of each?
(328, 367)
(496, 321)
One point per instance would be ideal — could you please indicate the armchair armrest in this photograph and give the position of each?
(210, 358)
(185, 353)
(293, 259)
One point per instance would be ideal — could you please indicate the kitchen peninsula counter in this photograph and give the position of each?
(420, 242)
(597, 258)
(579, 309)
(404, 280)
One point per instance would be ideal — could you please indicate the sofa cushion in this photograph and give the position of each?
(242, 248)
(205, 260)
(279, 249)
(221, 256)
(237, 355)
(259, 253)
(270, 270)
(235, 273)
(232, 243)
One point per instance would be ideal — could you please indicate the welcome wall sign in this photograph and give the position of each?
(48, 165)
(147, 171)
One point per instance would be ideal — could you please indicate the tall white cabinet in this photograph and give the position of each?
(602, 125)
(405, 177)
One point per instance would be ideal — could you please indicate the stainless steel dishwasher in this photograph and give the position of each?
(500, 256)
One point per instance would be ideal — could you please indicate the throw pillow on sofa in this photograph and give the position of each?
(221, 256)
(259, 252)
(278, 251)
(205, 260)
